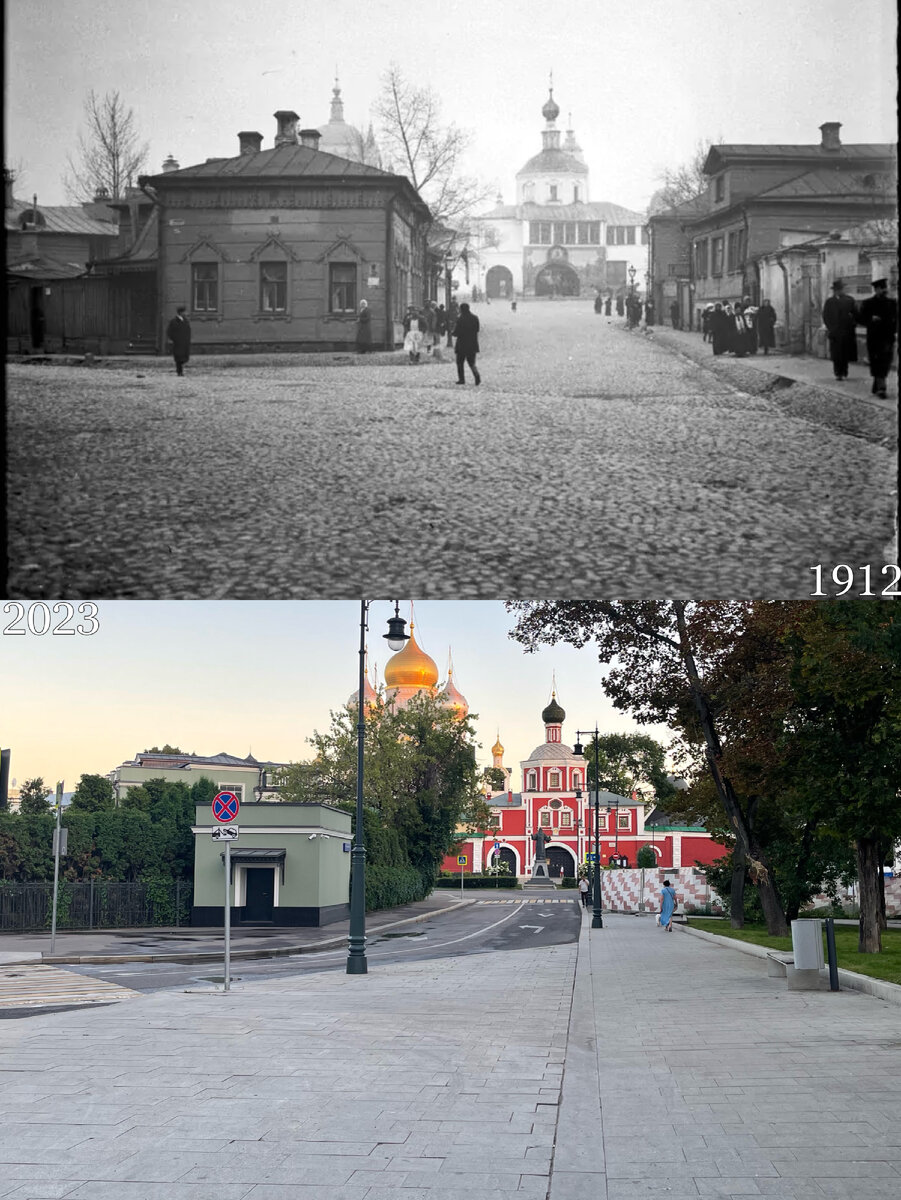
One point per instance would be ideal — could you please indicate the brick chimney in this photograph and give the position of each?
(169, 165)
(831, 139)
(249, 141)
(310, 137)
(287, 127)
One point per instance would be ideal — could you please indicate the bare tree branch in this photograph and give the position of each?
(686, 181)
(110, 153)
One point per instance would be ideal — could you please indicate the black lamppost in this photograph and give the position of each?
(597, 919)
(448, 269)
(632, 279)
(356, 943)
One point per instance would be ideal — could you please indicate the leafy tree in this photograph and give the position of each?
(93, 794)
(646, 857)
(167, 749)
(494, 778)
(419, 778)
(660, 654)
(110, 153)
(844, 735)
(629, 761)
(33, 797)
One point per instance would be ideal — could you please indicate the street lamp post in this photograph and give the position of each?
(597, 918)
(356, 942)
(632, 279)
(448, 269)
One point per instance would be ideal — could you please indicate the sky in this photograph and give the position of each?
(645, 82)
(261, 677)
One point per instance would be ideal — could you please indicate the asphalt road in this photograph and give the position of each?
(475, 929)
(592, 459)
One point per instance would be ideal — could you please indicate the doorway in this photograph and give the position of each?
(260, 896)
(561, 863)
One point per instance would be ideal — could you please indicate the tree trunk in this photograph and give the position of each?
(737, 894)
(769, 897)
(869, 867)
(880, 883)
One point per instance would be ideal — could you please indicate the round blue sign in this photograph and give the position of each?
(225, 807)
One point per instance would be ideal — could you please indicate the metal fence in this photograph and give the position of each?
(96, 904)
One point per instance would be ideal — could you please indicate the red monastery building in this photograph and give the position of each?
(555, 798)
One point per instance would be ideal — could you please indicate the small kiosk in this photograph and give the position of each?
(290, 865)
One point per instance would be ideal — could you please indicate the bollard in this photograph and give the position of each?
(833, 958)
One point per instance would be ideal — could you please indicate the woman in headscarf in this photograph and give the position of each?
(364, 328)
(741, 335)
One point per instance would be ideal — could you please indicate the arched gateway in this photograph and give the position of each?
(499, 283)
(556, 279)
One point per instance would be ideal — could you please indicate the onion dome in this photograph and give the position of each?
(551, 109)
(453, 699)
(553, 714)
(497, 749)
(411, 667)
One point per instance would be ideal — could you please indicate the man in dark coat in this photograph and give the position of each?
(879, 314)
(840, 319)
(766, 326)
(466, 331)
(674, 314)
(607, 304)
(179, 334)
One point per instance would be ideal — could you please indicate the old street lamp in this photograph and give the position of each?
(597, 918)
(356, 942)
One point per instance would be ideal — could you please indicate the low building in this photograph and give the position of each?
(289, 865)
(275, 249)
(761, 198)
(802, 274)
(249, 778)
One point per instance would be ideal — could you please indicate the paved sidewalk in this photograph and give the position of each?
(801, 367)
(690, 1072)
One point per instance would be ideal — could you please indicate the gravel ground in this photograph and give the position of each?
(591, 461)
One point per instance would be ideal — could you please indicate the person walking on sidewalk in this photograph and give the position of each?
(766, 326)
(466, 331)
(668, 906)
(179, 334)
(879, 314)
(584, 889)
(840, 319)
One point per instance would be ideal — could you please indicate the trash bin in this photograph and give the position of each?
(807, 943)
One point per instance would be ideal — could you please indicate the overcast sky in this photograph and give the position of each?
(262, 676)
(644, 81)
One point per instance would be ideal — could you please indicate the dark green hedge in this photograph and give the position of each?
(387, 887)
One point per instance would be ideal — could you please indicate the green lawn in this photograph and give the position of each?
(886, 965)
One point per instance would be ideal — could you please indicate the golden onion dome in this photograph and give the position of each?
(411, 667)
(497, 749)
(452, 698)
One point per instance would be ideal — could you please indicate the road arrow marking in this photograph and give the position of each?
(537, 928)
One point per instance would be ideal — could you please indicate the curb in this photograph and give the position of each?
(881, 989)
(201, 956)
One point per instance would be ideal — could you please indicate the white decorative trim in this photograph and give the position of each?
(276, 829)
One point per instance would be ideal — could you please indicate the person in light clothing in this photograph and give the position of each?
(668, 906)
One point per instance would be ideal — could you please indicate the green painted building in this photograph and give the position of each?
(290, 865)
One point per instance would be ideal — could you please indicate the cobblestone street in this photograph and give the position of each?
(591, 461)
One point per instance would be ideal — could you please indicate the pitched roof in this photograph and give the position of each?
(823, 184)
(143, 254)
(282, 162)
(44, 268)
(717, 156)
(60, 219)
(553, 160)
(587, 210)
(171, 762)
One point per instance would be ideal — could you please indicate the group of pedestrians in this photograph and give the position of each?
(740, 328)
(879, 316)
(424, 329)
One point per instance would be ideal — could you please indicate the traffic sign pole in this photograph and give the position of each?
(228, 923)
(59, 809)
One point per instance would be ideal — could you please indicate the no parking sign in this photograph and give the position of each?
(225, 807)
